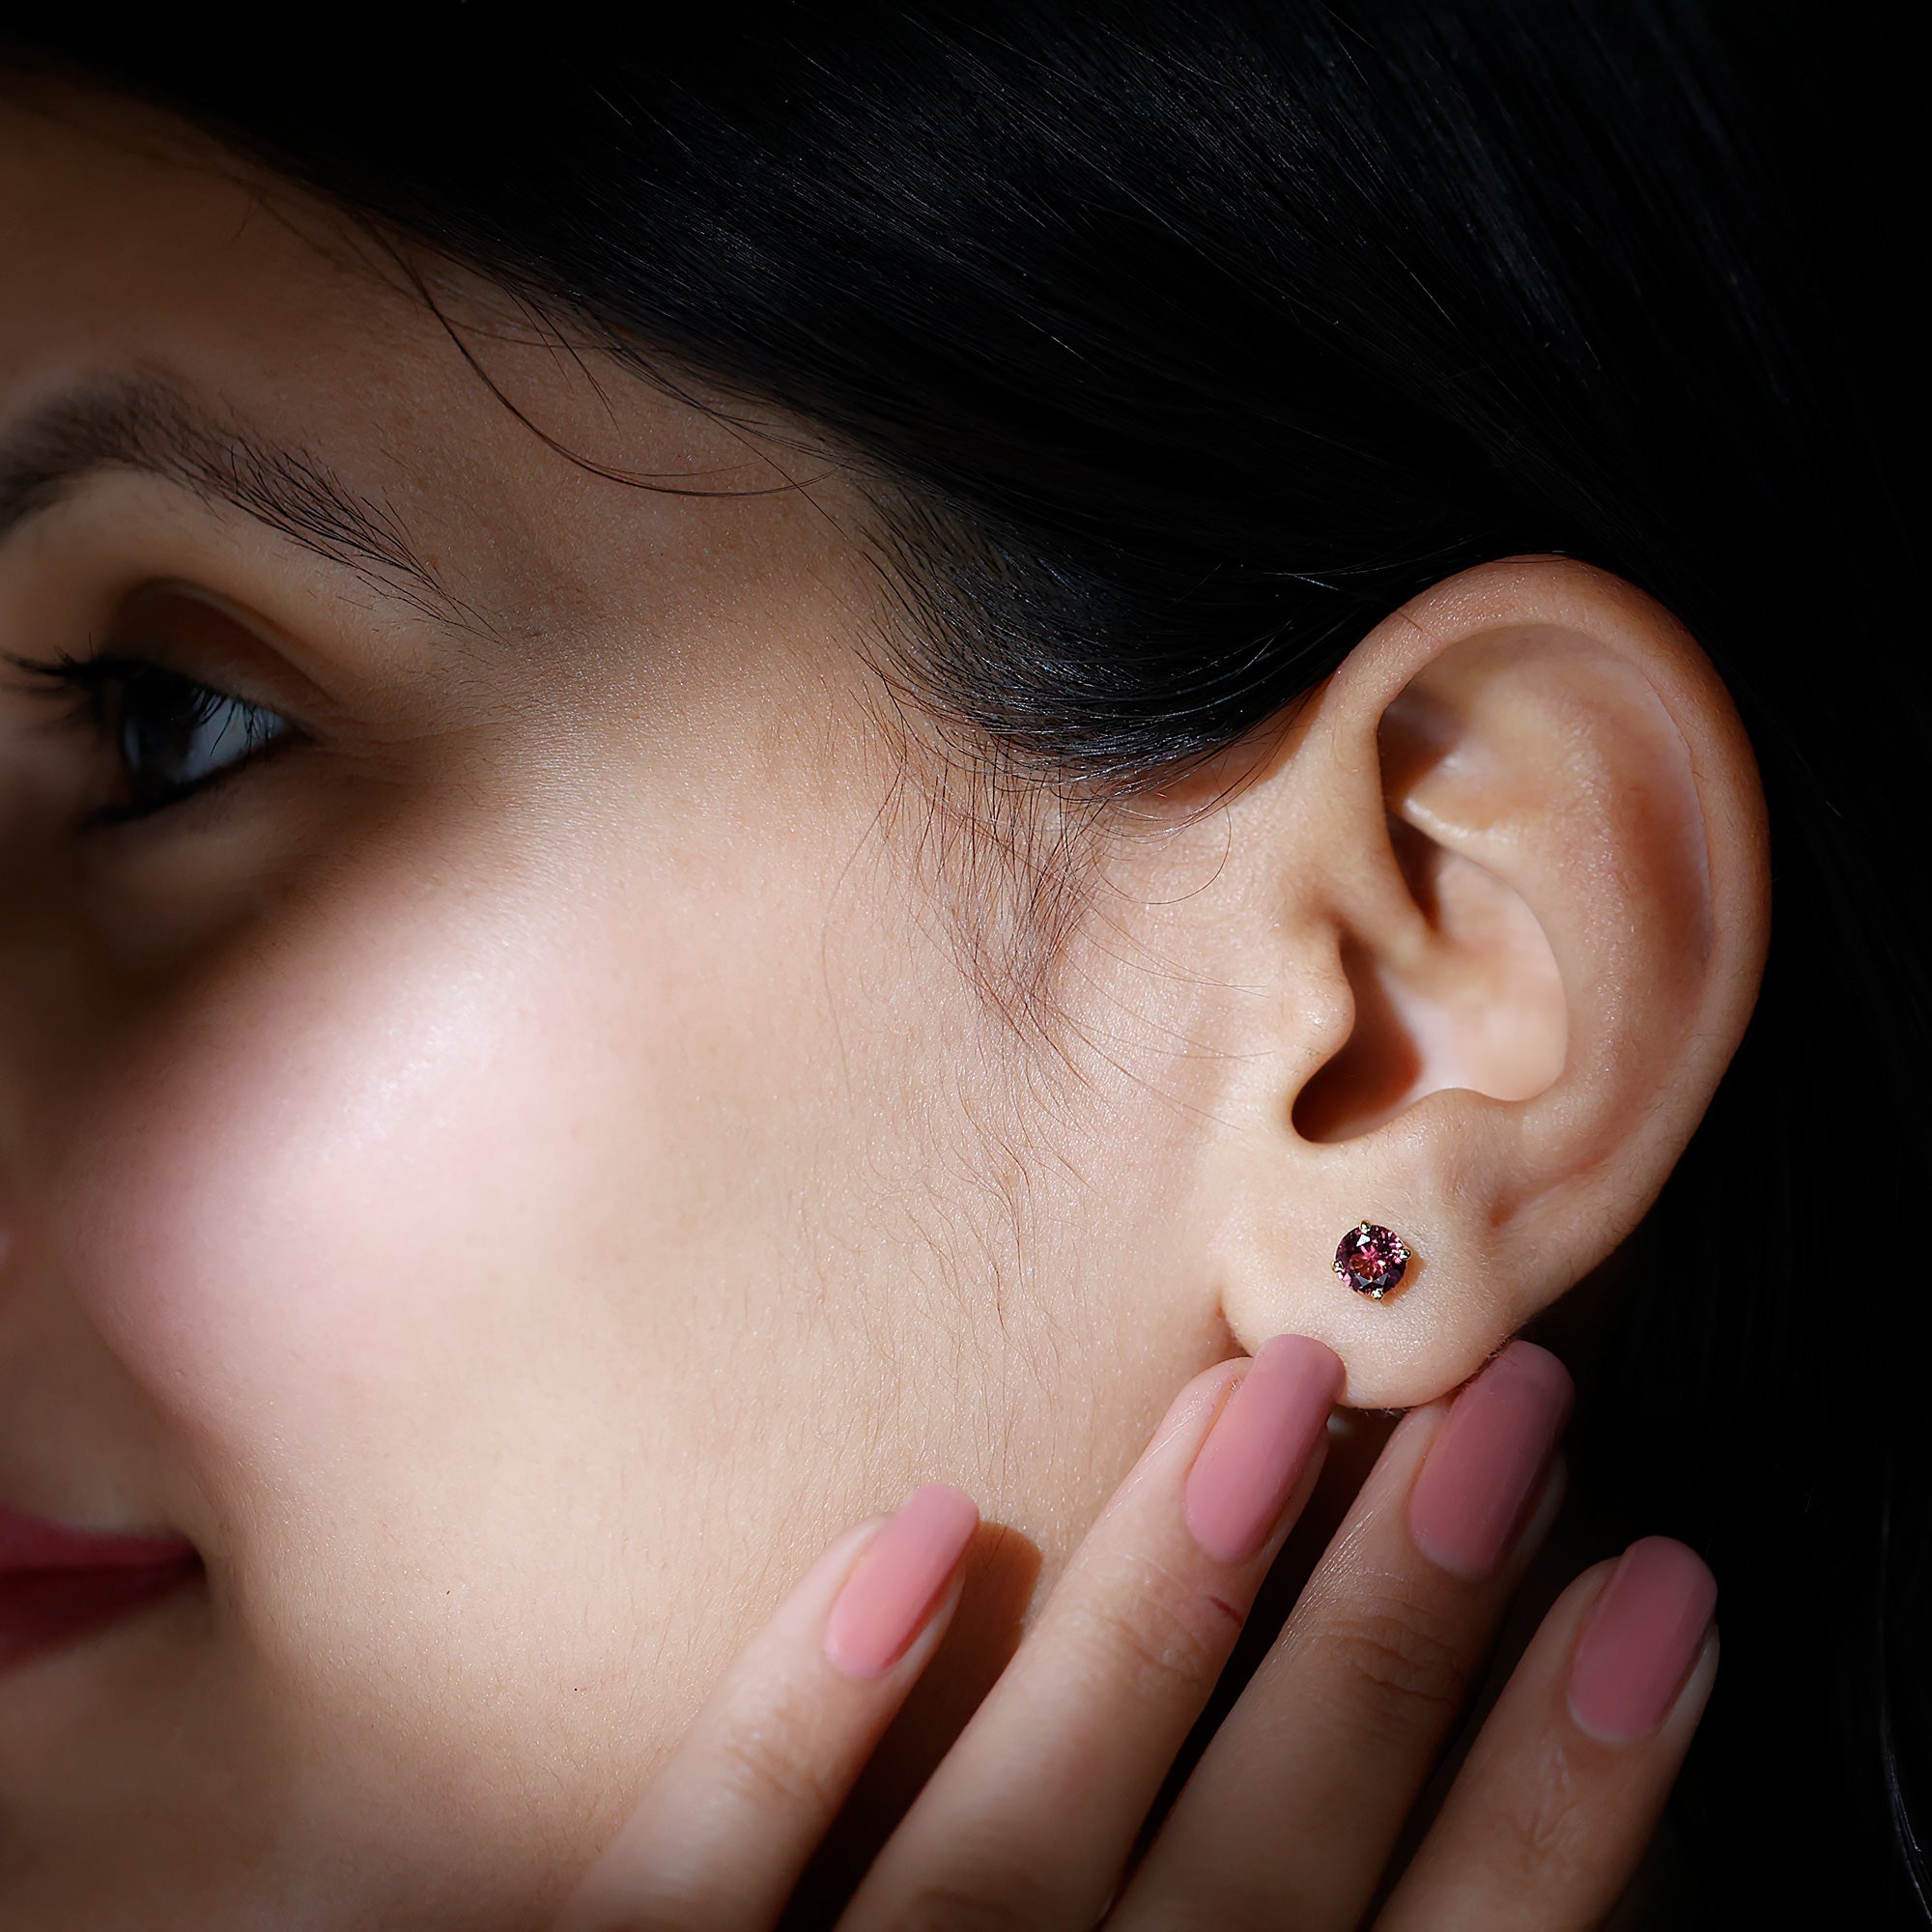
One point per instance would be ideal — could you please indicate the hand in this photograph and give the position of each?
(1293, 1812)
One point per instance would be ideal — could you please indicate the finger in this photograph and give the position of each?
(1548, 1819)
(1299, 1800)
(720, 1839)
(1032, 1815)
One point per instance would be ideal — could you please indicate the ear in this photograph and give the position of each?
(1501, 886)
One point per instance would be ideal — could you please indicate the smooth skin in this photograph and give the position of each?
(514, 1171)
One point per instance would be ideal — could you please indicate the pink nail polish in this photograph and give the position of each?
(1468, 1502)
(1640, 1642)
(1258, 1447)
(898, 1578)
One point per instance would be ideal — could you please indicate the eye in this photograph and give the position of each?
(173, 735)
(169, 735)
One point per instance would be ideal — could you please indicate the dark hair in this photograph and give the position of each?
(1193, 338)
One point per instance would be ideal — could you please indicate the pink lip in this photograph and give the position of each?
(57, 1584)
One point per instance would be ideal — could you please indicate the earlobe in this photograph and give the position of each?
(1545, 920)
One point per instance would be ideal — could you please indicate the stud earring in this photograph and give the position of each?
(1372, 1259)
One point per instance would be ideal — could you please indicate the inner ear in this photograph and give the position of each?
(1478, 1004)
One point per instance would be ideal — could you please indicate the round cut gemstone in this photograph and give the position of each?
(1372, 1259)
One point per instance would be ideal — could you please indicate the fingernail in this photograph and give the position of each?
(898, 1578)
(1260, 1442)
(1645, 1632)
(1467, 1505)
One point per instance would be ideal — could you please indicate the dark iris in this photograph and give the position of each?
(170, 736)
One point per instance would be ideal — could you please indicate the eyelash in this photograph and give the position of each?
(104, 696)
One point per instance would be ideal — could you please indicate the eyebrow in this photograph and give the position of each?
(151, 427)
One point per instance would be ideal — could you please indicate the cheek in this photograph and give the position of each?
(428, 1188)
(354, 1175)
(454, 1214)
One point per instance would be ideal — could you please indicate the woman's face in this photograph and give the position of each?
(513, 1168)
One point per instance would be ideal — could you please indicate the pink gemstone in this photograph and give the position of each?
(1372, 1259)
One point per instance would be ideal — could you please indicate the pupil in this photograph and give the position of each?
(158, 736)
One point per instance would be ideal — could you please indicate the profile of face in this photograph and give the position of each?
(536, 1088)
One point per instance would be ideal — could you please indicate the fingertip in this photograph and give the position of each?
(1484, 1470)
(1238, 1491)
(897, 1582)
(1314, 1362)
(944, 1506)
(1642, 1641)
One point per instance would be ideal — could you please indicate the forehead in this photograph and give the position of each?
(134, 244)
(140, 252)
